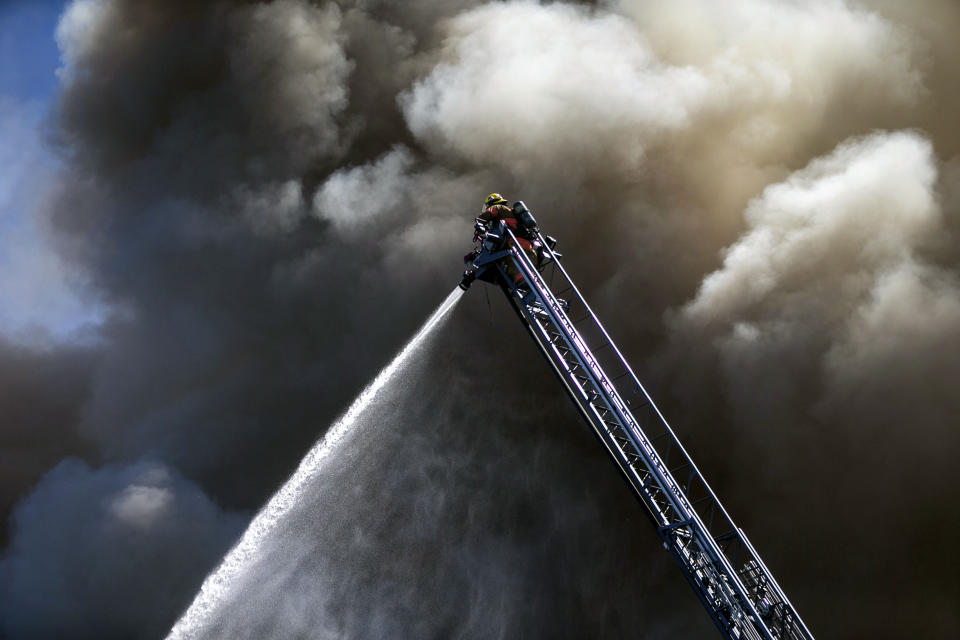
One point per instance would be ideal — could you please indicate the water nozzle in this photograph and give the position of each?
(468, 277)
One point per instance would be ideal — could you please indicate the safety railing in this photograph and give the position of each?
(718, 560)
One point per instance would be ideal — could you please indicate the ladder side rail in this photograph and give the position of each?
(705, 585)
(675, 442)
(583, 402)
(601, 383)
(586, 364)
(641, 444)
(582, 399)
(573, 287)
(647, 448)
(779, 592)
(734, 532)
(576, 392)
(623, 361)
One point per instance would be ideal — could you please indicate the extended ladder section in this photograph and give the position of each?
(724, 569)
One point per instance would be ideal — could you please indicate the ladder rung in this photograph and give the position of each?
(699, 500)
(725, 537)
(683, 466)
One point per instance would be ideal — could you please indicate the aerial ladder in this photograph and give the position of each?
(716, 557)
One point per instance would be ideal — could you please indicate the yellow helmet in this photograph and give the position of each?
(494, 198)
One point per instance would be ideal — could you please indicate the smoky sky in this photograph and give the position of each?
(759, 197)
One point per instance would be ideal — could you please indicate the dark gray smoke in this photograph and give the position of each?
(135, 536)
(760, 197)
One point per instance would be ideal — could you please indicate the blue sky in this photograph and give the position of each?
(28, 52)
(38, 293)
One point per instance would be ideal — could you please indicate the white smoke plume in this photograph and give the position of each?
(815, 280)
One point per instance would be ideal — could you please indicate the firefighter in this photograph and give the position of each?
(495, 209)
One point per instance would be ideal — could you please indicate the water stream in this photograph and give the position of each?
(216, 586)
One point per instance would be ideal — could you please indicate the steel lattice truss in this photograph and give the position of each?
(731, 580)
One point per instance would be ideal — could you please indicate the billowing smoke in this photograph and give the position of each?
(830, 328)
(760, 197)
(136, 536)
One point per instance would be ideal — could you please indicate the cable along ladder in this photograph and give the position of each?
(727, 574)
